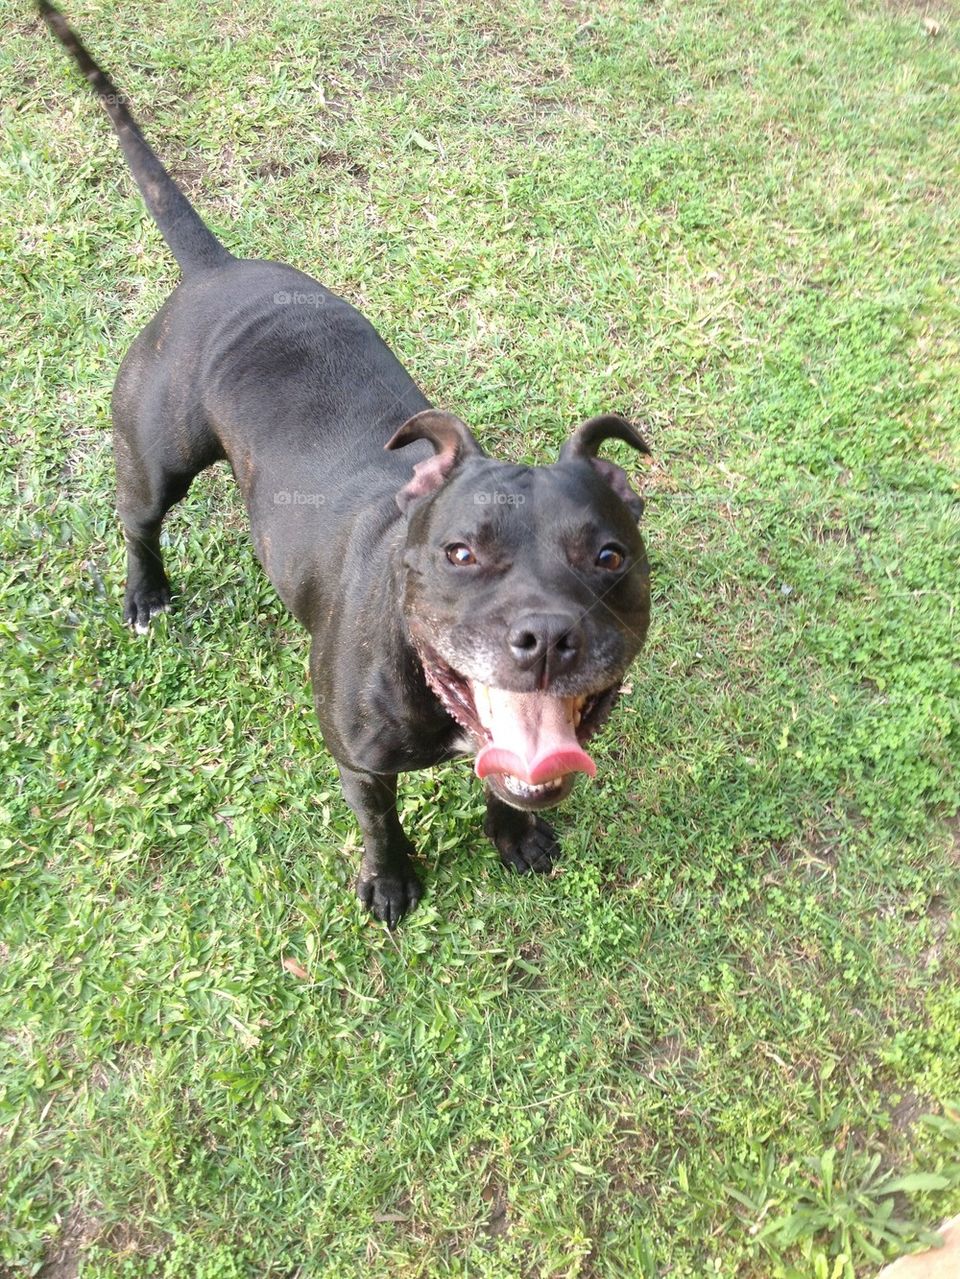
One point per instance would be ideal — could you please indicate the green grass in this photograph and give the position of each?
(706, 1044)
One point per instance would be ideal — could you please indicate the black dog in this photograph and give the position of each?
(456, 604)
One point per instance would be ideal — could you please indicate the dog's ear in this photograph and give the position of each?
(450, 438)
(587, 438)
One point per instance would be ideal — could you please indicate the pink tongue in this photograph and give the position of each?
(532, 736)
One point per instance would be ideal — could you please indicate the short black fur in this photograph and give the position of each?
(258, 364)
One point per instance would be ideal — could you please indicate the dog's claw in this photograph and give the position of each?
(535, 849)
(143, 605)
(389, 895)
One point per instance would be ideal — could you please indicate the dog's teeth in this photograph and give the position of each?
(481, 699)
(528, 789)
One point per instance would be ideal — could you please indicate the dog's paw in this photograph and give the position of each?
(389, 894)
(143, 603)
(536, 848)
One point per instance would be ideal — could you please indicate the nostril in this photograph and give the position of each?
(526, 640)
(553, 641)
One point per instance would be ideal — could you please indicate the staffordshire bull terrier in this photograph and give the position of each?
(456, 604)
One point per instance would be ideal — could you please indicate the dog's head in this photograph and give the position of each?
(526, 597)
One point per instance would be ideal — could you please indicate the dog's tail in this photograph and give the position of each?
(192, 242)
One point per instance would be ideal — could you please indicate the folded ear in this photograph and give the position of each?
(450, 438)
(587, 438)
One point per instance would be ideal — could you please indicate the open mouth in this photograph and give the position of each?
(530, 746)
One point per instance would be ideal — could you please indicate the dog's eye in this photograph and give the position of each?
(460, 554)
(610, 557)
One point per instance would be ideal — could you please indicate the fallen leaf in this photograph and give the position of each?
(291, 965)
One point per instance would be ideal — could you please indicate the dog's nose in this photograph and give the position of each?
(549, 643)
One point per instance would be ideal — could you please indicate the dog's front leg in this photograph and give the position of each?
(387, 884)
(524, 841)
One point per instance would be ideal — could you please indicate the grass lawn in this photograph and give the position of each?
(711, 1042)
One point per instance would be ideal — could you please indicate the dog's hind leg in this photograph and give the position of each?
(145, 492)
(157, 458)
